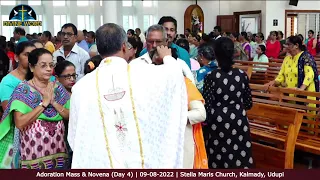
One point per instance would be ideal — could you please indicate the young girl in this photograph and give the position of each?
(261, 57)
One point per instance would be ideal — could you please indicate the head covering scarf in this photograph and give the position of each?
(306, 59)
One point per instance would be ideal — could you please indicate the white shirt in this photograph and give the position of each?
(160, 101)
(77, 56)
(217, 37)
(185, 68)
(142, 38)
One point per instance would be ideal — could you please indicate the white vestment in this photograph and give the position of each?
(160, 102)
(196, 114)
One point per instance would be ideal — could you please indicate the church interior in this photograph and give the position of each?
(284, 122)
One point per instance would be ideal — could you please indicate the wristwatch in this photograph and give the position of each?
(41, 104)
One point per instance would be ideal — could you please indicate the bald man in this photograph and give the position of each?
(81, 41)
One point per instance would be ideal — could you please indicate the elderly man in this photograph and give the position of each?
(170, 25)
(128, 116)
(197, 113)
(82, 42)
(156, 36)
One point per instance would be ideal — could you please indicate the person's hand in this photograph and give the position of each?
(47, 94)
(163, 51)
(284, 84)
(271, 83)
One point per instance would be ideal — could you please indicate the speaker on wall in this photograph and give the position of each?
(293, 2)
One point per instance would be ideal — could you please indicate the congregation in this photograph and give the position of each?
(159, 99)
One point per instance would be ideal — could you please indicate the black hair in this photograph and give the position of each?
(3, 44)
(22, 46)
(236, 35)
(188, 29)
(245, 35)
(110, 39)
(301, 37)
(263, 49)
(47, 34)
(181, 36)
(92, 34)
(96, 60)
(165, 19)
(297, 40)
(74, 28)
(206, 50)
(224, 49)
(205, 37)
(131, 31)
(138, 29)
(85, 32)
(275, 32)
(20, 31)
(311, 31)
(61, 66)
(280, 33)
(59, 33)
(260, 34)
(217, 28)
(133, 42)
(33, 60)
(184, 44)
(60, 59)
(3, 38)
(198, 38)
(11, 46)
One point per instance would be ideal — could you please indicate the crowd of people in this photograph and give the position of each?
(116, 99)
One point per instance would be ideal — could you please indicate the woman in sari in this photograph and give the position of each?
(244, 40)
(206, 60)
(299, 70)
(37, 108)
(195, 156)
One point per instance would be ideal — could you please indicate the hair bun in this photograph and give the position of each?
(60, 59)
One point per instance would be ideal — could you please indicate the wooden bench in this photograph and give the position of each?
(309, 135)
(259, 76)
(265, 125)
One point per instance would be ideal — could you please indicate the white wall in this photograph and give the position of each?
(175, 9)
(211, 9)
(276, 10)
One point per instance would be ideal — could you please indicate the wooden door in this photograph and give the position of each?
(226, 22)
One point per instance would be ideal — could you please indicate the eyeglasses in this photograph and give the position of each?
(68, 76)
(68, 34)
(158, 42)
(44, 66)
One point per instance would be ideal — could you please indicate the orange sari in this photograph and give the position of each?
(200, 154)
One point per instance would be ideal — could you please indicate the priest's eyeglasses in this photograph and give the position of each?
(68, 76)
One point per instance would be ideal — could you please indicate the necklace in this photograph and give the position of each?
(21, 74)
(134, 115)
(37, 88)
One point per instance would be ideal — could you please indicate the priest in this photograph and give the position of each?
(128, 116)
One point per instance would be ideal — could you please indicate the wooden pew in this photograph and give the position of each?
(265, 121)
(260, 76)
(309, 135)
